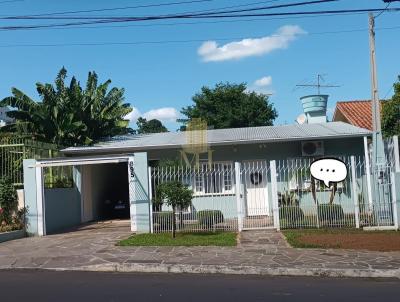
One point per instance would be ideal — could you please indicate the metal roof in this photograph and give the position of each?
(231, 136)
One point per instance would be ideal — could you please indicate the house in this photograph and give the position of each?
(357, 113)
(244, 174)
(4, 119)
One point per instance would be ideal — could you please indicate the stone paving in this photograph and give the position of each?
(259, 252)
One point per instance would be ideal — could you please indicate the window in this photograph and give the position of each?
(216, 179)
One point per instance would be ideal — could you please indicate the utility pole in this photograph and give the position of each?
(378, 156)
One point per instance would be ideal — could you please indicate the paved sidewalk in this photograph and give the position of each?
(258, 252)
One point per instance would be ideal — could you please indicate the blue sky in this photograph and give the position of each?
(161, 78)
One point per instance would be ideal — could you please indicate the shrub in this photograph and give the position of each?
(163, 220)
(330, 212)
(209, 218)
(8, 200)
(290, 216)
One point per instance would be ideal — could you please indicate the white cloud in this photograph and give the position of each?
(211, 52)
(133, 115)
(162, 114)
(263, 82)
(165, 114)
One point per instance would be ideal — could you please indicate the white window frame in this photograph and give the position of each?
(204, 168)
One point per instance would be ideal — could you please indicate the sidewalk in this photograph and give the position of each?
(262, 252)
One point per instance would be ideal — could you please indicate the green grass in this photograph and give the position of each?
(182, 239)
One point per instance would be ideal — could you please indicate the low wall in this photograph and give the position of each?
(63, 209)
(7, 236)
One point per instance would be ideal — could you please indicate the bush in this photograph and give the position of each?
(8, 200)
(330, 212)
(209, 218)
(163, 220)
(290, 216)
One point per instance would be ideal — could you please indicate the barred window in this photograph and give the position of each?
(216, 179)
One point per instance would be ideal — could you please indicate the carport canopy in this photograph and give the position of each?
(35, 171)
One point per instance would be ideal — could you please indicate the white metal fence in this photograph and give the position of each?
(275, 194)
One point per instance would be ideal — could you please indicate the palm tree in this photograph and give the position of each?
(69, 115)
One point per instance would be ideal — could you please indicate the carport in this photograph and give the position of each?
(103, 188)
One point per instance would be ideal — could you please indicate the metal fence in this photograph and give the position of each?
(14, 150)
(276, 194)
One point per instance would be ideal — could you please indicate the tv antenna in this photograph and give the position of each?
(320, 80)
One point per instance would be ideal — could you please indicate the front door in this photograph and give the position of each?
(255, 174)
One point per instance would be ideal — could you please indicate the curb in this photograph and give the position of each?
(231, 270)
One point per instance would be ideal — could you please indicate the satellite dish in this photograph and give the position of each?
(301, 119)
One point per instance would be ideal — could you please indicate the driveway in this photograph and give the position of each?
(73, 248)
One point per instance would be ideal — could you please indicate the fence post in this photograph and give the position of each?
(274, 191)
(394, 201)
(151, 201)
(396, 153)
(238, 196)
(355, 195)
(368, 173)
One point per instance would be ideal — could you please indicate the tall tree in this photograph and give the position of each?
(231, 106)
(391, 113)
(151, 126)
(69, 115)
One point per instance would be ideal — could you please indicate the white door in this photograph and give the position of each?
(255, 174)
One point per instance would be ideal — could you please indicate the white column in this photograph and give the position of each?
(394, 200)
(132, 197)
(41, 221)
(151, 202)
(368, 172)
(396, 153)
(355, 193)
(238, 194)
(274, 191)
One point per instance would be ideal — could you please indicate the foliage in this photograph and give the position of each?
(182, 239)
(8, 200)
(151, 126)
(176, 195)
(163, 220)
(330, 212)
(391, 113)
(209, 218)
(230, 106)
(287, 198)
(69, 115)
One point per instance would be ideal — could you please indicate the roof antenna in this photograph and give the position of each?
(320, 80)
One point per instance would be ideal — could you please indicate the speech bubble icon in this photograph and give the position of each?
(329, 170)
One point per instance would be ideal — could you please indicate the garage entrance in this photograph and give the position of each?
(88, 190)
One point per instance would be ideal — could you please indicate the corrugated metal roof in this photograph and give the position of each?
(227, 136)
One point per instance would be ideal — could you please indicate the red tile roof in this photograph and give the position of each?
(357, 113)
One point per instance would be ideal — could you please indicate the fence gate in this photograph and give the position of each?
(255, 195)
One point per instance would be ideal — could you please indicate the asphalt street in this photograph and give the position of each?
(88, 286)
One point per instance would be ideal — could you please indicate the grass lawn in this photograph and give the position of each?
(182, 239)
(344, 239)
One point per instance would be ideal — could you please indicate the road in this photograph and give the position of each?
(88, 286)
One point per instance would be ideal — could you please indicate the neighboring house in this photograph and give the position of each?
(357, 113)
(4, 119)
(242, 172)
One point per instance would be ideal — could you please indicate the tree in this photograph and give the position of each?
(69, 115)
(8, 200)
(176, 195)
(391, 113)
(230, 106)
(151, 126)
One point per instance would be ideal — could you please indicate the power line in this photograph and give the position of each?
(192, 14)
(193, 23)
(169, 17)
(120, 8)
(181, 41)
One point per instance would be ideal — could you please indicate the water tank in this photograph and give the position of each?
(314, 107)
